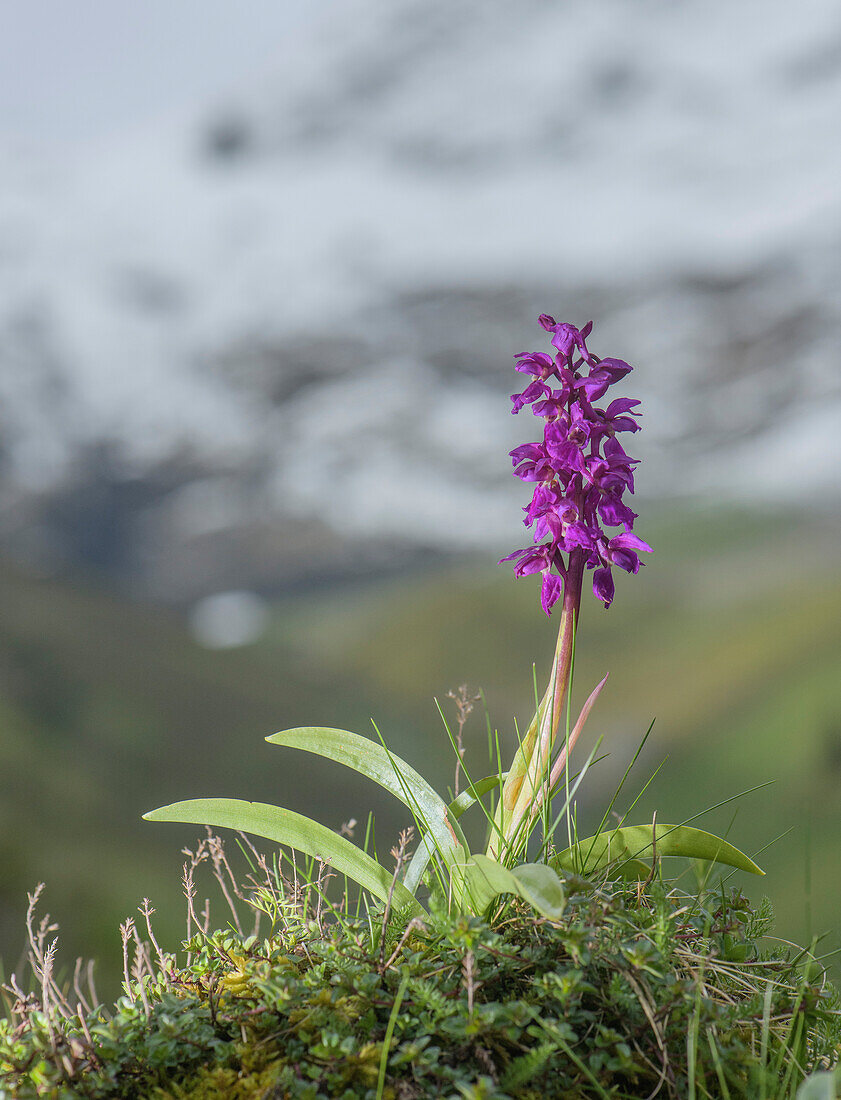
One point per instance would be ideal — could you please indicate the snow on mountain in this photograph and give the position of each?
(298, 310)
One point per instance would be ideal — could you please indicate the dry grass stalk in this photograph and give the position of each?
(146, 910)
(464, 706)
(322, 879)
(41, 957)
(414, 925)
(399, 853)
(141, 968)
(224, 875)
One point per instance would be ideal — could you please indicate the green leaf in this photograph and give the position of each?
(634, 843)
(418, 864)
(286, 827)
(634, 870)
(424, 852)
(535, 883)
(389, 771)
(472, 795)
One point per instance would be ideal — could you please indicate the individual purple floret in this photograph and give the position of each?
(580, 469)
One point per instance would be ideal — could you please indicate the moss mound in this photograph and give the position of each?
(629, 995)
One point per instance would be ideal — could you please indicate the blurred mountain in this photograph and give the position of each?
(273, 342)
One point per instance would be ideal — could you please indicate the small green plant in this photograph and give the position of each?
(581, 473)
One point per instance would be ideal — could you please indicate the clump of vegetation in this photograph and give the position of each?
(639, 989)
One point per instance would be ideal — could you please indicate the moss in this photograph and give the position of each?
(623, 996)
(225, 1083)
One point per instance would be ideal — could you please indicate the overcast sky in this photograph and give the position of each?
(78, 71)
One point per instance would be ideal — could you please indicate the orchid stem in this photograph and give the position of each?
(528, 775)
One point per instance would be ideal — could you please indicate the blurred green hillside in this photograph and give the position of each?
(730, 638)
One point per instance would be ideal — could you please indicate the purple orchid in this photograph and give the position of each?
(531, 393)
(580, 469)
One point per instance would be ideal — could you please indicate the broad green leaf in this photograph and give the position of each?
(389, 771)
(540, 886)
(825, 1085)
(286, 827)
(460, 804)
(633, 842)
(535, 883)
(419, 863)
(632, 870)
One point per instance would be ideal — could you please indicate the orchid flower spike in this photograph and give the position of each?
(579, 469)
